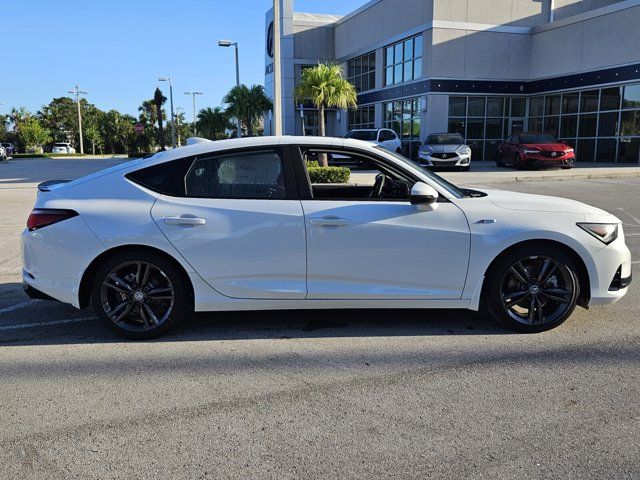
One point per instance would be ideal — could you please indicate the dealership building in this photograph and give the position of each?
(484, 68)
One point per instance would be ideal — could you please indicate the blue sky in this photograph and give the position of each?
(116, 49)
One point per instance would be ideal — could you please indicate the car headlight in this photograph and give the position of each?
(463, 150)
(532, 152)
(568, 150)
(605, 232)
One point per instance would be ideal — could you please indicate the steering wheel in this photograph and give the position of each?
(376, 191)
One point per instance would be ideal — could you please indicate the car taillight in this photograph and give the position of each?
(43, 217)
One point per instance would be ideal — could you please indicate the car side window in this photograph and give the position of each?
(386, 135)
(241, 175)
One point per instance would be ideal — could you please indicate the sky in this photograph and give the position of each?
(117, 49)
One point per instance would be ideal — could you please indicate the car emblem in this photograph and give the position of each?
(554, 154)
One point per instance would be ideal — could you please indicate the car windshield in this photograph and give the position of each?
(449, 187)
(445, 139)
(59, 144)
(537, 138)
(370, 135)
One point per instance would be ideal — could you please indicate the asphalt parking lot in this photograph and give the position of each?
(340, 394)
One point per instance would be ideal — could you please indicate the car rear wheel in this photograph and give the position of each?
(139, 295)
(499, 161)
(532, 289)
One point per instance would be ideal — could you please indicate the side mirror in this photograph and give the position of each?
(423, 194)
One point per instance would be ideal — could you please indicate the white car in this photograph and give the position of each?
(236, 225)
(62, 147)
(445, 150)
(384, 137)
(3, 153)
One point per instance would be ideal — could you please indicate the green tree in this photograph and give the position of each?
(212, 123)
(33, 135)
(325, 86)
(159, 99)
(248, 105)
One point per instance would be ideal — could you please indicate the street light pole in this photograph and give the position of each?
(77, 93)
(229, 43)
(173, 117)
(193, 99)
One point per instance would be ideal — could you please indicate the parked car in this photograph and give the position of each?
(534, 150)
(445, 150)
(385, 137)
(236, 225)
(62, 147)
(9, 148)
(3, 153)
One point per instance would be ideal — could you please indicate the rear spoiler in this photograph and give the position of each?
(46, 186)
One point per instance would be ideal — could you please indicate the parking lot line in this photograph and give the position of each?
(45, 324)
(17, 306)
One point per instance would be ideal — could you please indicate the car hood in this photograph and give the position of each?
(442, 148)
(538, 203)
(546, 147)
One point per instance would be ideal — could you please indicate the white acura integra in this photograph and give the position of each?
(237, 225)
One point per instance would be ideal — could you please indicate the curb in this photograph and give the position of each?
(558, 178)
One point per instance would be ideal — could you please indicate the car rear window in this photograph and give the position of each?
(165, 178)
(370, 135)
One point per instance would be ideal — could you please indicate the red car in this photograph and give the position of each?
(534, 150)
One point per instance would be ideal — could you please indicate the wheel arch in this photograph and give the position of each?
(86, 283)
(583, 272)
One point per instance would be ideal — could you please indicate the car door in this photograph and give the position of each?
(240, 224)
(362, 248)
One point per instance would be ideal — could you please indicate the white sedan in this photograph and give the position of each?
(237, 225)
(62, 147)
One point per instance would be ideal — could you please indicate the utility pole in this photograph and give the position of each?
(193, 99)
(178, 123)
(77, 93)
(173, 117)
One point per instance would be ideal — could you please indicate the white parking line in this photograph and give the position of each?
(45, 324)
(17, 306)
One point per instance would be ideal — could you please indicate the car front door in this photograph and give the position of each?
(367, 248)
(240, 224)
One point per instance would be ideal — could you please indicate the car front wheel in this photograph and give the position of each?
(532, 289)
(139, 295)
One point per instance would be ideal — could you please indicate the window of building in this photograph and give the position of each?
(361, 72)
(403, 117)
(362, 117)
(631, 98)
(403, 61)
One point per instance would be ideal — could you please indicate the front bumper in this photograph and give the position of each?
(541, 161)
(450, 160)
(612, 273)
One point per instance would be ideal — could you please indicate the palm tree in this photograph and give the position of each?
(212, 123)
(248, 105)
(325, 87)
(159, 99)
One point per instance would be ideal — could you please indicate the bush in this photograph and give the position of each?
(318, 174)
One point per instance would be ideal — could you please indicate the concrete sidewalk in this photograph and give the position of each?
(488, 173)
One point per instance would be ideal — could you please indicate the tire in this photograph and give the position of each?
(499, 162)
(465, 169)
(129, 279)
(399, 151)
(508, 299)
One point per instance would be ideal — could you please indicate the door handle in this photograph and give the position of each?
(184, 221)
(329, 221)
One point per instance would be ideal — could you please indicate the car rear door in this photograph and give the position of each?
(240, 223)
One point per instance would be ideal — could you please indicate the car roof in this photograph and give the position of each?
(367, 129)
(200, 146)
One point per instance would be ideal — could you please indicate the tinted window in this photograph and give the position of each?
(362, 135)
(444, 139)
(239, 175)
(541, 138)
(386, 135)
(166, 178)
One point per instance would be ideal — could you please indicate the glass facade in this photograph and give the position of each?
(403, 61)
(361, 72)
(403, 117)
(484, 121)
(602, 124)
(363, 117)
